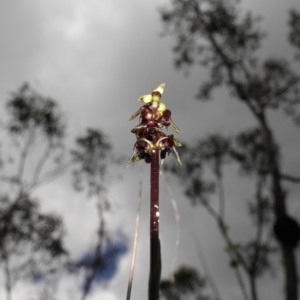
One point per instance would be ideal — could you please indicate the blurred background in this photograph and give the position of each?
(71, 73)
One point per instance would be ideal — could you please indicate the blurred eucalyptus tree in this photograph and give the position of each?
(187, 285)
(33, 152)
(31, 242)
(217, 35)
(91, 156)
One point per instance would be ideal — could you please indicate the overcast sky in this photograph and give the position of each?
(95, 58)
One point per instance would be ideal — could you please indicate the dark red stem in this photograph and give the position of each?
(155, 256)
(154, 195)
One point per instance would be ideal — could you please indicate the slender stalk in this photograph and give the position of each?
(207, 272)
(177, 218)
(7, 276)
(155, 255)
(136, 233)
(154, 195)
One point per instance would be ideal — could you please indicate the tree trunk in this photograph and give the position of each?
(290, 268)
(253, 287)
(288, 255)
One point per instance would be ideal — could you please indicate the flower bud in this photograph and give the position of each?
(156, 97)
(167, 113)
(160, 89)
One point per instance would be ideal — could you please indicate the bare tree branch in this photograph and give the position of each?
(233, 251)
(290, 178)
(50, 175)
(24, 154)
(98, 251)
(293, 81)
(177, 218)
(7, 276)
(225, 60)
(207, 272)
(259, 231)
(41, 163)
(136, 234)
(221, 195)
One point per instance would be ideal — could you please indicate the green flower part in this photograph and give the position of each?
(161, 108)
(155, 96)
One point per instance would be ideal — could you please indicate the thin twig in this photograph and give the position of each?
(41, 163)
(177, 218)
(221, 196)
(207, 272)
(136, 234)
(232, 250)
(290, 178)
(241, 282)
(7, 276)
(98, 251)
(24, 154)
(224, 58)
(50, 175)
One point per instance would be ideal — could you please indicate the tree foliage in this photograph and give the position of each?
(220, 37)
(29, 110)
(187, 284)
(34, 152)
(91, 160)
(92, 157)
(294, 34)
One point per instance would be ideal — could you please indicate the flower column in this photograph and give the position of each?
(151, 145)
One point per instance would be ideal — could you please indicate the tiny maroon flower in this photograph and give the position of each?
(147, 158)
(146, 115)
(167, 113)
(151, 123)
(144, 107)
(140, 144)
(152, 130)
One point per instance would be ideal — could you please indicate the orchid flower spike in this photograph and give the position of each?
(153, 116)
